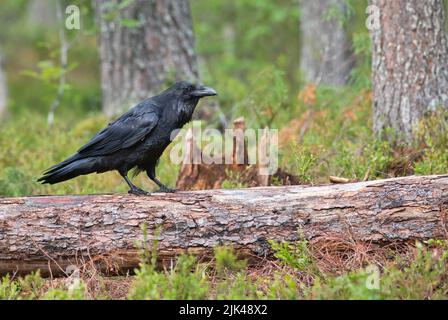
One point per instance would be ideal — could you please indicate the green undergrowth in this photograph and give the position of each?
(298, 274)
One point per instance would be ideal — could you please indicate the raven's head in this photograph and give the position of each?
(187, 91)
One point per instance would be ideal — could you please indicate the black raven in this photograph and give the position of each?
(137, 139)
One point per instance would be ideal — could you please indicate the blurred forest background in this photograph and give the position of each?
(303, 68)
(349, 100)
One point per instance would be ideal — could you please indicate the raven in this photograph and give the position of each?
(136, 139)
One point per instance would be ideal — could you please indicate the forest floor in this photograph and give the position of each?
(334, 269)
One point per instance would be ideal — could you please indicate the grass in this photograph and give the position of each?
(324, 137)
(29, 147)
(415, 272)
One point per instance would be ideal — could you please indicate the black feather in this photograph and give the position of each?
(136, 139)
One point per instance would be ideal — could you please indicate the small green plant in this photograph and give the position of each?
(233, 181)
(9, 289)
(284, 286)
(75, 291)
(237, 287)
(227, 261)
(294, 254)
(28, 287)
(345, 287)
(305, 162)
(424, 277)
(432, 140)
(32, 285)
(276, 181)
(185, 281)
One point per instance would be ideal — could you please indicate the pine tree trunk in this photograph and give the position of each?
(54, 232)
(409, 64)
(143, 46)
(326, 51)
(3, 87)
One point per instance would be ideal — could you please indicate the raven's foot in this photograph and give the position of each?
(138, 192)
(165, 190)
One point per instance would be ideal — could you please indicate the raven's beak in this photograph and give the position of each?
(203, 91)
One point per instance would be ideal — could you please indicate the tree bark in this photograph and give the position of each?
(409, 64)
(326, 50)
(143, 46)
(3, 87)
(53, 232)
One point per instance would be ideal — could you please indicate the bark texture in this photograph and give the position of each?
(53, 232)
(143, 46)
(326, 51)
(409, 64)
(3, 87)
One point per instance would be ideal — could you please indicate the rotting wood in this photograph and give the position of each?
(211, 174)
(54, 232)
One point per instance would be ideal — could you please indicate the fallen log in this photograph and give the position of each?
(52, 233)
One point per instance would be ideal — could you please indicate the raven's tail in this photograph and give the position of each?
(68, 169)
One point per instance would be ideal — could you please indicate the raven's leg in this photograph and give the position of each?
(134, 189)
(151, 172)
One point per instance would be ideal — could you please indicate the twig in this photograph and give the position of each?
(334, 179)
(366, 175)
(47, 255)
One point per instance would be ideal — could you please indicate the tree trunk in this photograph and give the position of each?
(409, 64)
(41, 14)
(143, 46)
(326, 51)
(53, 232)
(3, 87)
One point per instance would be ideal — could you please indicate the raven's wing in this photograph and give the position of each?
(121, 134)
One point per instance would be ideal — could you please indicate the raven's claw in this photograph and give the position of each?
(138, 192)
(166, 190)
